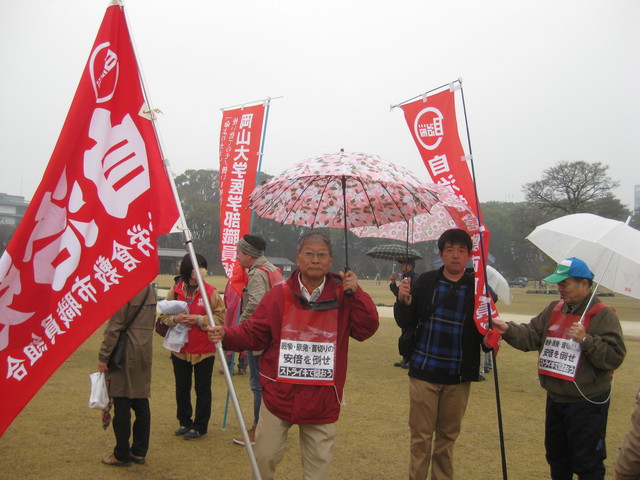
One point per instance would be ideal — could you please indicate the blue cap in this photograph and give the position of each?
(571, 267)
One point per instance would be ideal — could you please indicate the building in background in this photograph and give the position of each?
(636, 199)
(12, 208)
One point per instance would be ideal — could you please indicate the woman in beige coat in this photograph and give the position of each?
(130, 386)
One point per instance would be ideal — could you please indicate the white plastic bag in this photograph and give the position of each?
(99, 397)
(176, 337)
(173, 307)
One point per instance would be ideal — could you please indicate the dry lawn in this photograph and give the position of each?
(58, 437)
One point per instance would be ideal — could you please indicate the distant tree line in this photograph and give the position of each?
(567, 187)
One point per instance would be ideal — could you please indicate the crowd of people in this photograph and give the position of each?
(296, 334)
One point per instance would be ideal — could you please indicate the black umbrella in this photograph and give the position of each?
(393, 252)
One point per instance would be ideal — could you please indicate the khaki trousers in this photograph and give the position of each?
(434, 409)
(316, 446)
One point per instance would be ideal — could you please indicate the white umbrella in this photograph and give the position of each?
(499, 285)
(609, 247)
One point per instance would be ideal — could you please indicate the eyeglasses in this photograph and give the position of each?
(322, 255)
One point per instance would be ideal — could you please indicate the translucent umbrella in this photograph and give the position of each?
(610, 248)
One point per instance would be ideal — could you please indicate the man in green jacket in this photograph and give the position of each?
(579, 341)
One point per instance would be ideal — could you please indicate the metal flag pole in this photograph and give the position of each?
(188, 241)
(486, 284)
(267, 103)
(422, 95)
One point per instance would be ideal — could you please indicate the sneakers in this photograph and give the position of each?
(182, 430)
(252, 437)
(192, 434)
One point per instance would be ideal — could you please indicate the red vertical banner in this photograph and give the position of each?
(88, 240)
(433, 124)
(240, 140)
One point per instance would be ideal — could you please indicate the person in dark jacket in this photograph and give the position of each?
(407, 267)
(446, 357)
(579, 343)
(303, 326)
(130, 386)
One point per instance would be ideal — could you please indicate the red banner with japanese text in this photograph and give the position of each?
(88, 240)
(433, 124)
(240, 140)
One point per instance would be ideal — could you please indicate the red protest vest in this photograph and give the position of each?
(198, 341)
(560, 355)
(307, 344)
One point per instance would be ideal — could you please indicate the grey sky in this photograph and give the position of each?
(543, 80)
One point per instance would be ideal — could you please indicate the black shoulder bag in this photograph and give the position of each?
(116, 360)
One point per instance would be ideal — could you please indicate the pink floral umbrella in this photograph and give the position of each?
(346, 190)
(450, 213)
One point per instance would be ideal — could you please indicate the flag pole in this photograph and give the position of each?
(486, 283)
(267, 103)
(423, 95)
(188, 242)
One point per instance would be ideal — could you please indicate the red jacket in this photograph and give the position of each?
(357, 318)
(198, 341)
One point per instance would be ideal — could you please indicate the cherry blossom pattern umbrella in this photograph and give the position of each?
(450, 212)
(344, 190)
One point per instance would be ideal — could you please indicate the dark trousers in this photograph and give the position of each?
(575, 438)
(201, 371)
(122, 407)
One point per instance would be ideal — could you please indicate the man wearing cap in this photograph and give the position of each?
(262, 275)
(407, 266)
(579, 341)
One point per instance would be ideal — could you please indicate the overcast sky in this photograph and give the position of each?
(544, 80)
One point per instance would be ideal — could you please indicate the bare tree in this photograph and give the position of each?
(576, 187)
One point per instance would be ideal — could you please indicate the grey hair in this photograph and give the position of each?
(314, 237)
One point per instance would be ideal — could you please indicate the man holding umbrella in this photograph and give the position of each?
(407, 266)
(579, 340)
(303, 325)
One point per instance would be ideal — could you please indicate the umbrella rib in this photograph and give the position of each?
(328, 178)
(269, 205)
(414, 195)
(366, 193)
(307, 185)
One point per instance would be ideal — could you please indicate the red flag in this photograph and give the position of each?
(433, 125)
(240, 137)
(88, 240)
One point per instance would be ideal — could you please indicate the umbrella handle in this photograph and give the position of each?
(348, 292)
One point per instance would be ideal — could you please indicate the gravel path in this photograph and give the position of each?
(629, 329)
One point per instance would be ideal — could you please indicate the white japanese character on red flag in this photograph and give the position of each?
(117, 164)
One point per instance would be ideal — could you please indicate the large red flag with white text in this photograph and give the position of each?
(240, 141)
(433, 125)
(88, 240)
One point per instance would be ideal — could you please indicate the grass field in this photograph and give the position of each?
(58, 437)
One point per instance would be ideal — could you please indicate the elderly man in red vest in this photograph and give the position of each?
(303, 326)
